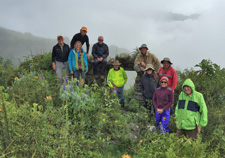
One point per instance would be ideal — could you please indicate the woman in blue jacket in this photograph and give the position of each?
(78, 64)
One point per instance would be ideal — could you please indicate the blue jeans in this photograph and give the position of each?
(79, 73)
(164, 119)
(120, 94)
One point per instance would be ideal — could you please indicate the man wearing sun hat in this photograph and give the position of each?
(60, 53)
(162, 100)
(82, 37)
(168, 71)
(116, 79)
(144, 58)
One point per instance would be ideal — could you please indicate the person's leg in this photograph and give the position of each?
(180, 132)
(121, 96)
(165, 121)
(137, 68)
(157, 118)
(95, 68)
(103, 65)
(76, 74)
(192, 133)
(59, 68)
(82, 73)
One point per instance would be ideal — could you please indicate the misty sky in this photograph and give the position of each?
(187, 31)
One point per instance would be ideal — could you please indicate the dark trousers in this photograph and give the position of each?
(188, 133)
(102, 65)
(79, 73)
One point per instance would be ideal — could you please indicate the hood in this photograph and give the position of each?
(189, 82)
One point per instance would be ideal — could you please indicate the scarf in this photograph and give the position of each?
(77, 58)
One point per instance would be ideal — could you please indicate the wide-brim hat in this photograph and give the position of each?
(166, 59)
(143, 46)
(149, 66)
(116, 62)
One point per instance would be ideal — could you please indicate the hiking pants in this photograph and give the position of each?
(164, 119)
(102, 66)
(121, 94)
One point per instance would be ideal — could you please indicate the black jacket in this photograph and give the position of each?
(58, 55)
(78, 37)
(100, 50)
(148, 86)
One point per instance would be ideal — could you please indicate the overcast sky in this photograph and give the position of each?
(187, 31)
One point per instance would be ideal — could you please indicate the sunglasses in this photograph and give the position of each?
(100, 40)
(163, 82)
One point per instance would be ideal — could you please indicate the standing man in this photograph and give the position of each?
(191, 111)
(144, 58)
(100, 52)
(116, 79)
(82, 37)
(60, 53)
(168, 71)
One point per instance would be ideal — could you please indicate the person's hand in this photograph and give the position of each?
(100, 59)
(71, 72)
(143, 64)
(85, 72)
(160, 111)
(175, 122)
(114, 87)
(53, 66)
(87, 56)
(199, 129)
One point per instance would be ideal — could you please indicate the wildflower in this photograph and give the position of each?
(60, 80)
(57, 149)
(82, 81)
(71, 89)
(16, 78)
(126, 156)
(84, 97)
(140, 141)
(87, 92)
(146, 116)
(0, 110)
(193, 72)
(79, 83)
(132, 86)
(103, 120)
(19, 76)
(66, 79)
(116, 121)
(103, 114)
(64, 87)
(36, 77)
(48, 98)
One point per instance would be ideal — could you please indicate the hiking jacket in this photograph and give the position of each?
(148, 59)
(59, 55)
(72, 60)
(118, 77)
(100, 50)
(191, 110)
(163, 98)
(171, 74)
(82, 39)
(148, 86)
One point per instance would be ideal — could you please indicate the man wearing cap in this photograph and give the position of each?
(191, 111)
(162, 100)
(82, 37)
(100, 52)
(148, 85)
(116, 79)
(144, 58)
(60, 53)
(168, 71)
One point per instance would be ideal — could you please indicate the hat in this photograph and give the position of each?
(149, 66)
(84, 29)
(116, 62)
(166, 59)
(143, 46)
(164, 78)
(59, 36)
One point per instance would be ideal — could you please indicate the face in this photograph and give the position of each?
(83, 32)
(166, 64)
(116, 67)
(187, 90)
(144, 51)
(78, 46)
(60, 40)
(149, 71)
(100, 40)
(163, 83)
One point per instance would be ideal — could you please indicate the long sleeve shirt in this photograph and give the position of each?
(59, 53)
(82, 39)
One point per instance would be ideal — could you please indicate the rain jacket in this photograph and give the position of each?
(72, 60)
(148, 59)
(191, 110)
(148, 86)
(118, 77)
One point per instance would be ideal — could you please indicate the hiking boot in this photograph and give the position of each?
(122, 105)
(102, 76)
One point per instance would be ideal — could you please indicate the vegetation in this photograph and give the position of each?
(44, 116)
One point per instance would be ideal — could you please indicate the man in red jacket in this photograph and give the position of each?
(168, 71)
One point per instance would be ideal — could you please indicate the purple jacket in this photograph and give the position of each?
(163, 98)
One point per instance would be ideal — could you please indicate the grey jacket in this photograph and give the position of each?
(100, 50)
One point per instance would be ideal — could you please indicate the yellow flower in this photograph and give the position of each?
(103, 114)
(116, 121)
(36, 77)
(81, 81)
(140, 141)
(193, 72)
(126, 156)
(146, 116)
(0, 110)
(114, 94)
(48, 98)
(57, 149)
(16, 78)
(103, 120)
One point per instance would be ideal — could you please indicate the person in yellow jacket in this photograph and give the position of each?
(116, 79)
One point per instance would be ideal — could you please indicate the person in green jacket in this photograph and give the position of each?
(116, 79)
(191, 111)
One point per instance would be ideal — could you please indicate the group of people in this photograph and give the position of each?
(157, 83)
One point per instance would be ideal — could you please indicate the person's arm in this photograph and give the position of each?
(109, 79)
(70, 60)
(154, 101)
(125, 76)
(157, 63)
(174, 84)
(85, 60)
(137, 60)
(73, 41)
(87, 44)
(106, 53)
(94, 51)
(170, 102)
(203, 112)
(53, 58)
